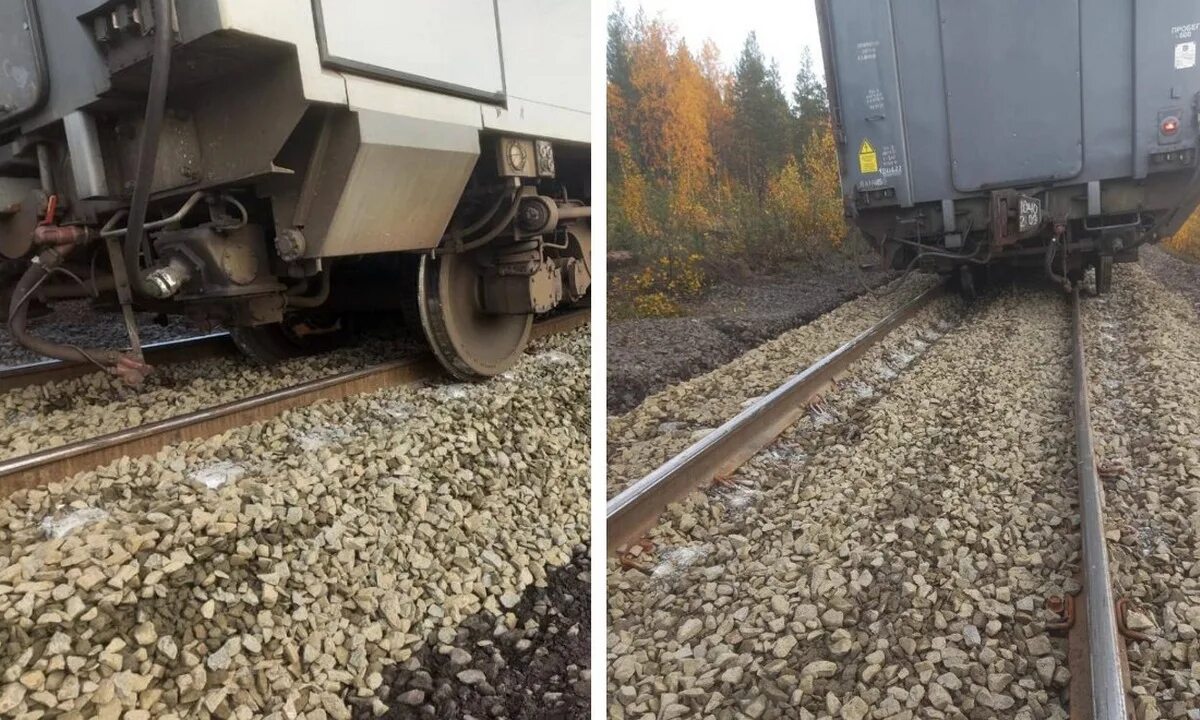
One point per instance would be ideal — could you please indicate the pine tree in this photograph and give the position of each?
(810, 104)
(761, 118)
(618, 49)
(619, 94)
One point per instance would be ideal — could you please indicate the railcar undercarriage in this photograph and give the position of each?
(1050, 231)
(223, 194)
(217, 259)
(1065, 140)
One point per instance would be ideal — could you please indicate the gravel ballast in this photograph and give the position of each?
(280, 569)
(669, 421)
(887, 557)
(1172, 271)
(1143, 346)
(43, 416)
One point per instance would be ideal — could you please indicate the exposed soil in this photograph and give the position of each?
(646, 355)
(537, 670)
(1173, 271)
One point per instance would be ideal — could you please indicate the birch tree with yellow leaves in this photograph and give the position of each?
(711, 165)
(1187, 241)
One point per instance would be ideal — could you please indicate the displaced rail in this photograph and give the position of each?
(60, 462)
(1094, 641)
(719, 453)
(203, 347)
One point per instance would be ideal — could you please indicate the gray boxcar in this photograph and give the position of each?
(1060, 134)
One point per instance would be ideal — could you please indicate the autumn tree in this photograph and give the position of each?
(650, 78)
(1186, 240)
(708, 163)
(718, 87)
(686, 136)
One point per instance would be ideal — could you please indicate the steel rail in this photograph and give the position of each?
(168, 352)
(1104, 651)
(54, 464)
(719, 453)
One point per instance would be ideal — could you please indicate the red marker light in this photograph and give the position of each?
(1170, 125)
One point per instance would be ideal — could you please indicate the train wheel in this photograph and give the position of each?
(966, 282)
(1104, 271)
(470, 343)
(293, 338)
(410, 307)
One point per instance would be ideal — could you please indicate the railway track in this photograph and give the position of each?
(720, 452)
(1097, 649)
(312, 563)
(63, 461)
(1099, 678)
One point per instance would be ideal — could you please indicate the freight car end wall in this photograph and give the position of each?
(937, 102)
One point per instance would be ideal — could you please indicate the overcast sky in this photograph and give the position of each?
(784, 27)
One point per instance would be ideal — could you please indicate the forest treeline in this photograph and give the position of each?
(715, 168)
(712, 167)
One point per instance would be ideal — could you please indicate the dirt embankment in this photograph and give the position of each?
(646, 355)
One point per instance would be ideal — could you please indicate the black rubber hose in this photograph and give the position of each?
(51, 258)
(18, 316)
(156, 106)
(1050, 252)
(475, 226)
(496, 229)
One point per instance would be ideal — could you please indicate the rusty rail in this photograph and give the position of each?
(169, 352)
(1104, 648)
(61, 462)
(719, 453)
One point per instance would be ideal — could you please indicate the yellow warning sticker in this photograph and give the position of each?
(867, 160)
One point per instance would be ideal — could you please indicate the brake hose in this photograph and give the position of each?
(156, 105)
(131, 369)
